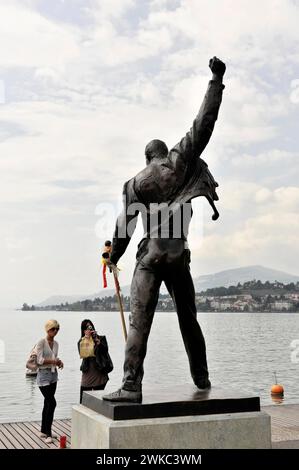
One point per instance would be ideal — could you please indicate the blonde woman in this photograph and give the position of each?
(48, 361)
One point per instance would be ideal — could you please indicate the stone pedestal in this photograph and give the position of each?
(182, 418)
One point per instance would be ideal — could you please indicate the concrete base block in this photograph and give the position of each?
(250, 430)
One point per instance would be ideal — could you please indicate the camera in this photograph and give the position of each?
(94, 335)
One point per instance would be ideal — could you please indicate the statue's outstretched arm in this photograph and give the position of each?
(126, 222)
(195, 141)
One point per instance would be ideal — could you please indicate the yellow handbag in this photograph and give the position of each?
(86, 348)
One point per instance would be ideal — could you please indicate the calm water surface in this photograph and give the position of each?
(243, 351)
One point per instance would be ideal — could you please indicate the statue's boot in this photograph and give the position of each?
(124, 396)
(203, 384)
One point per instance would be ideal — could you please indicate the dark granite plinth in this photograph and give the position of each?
(182, 400)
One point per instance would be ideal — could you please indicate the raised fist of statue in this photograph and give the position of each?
(217, 66)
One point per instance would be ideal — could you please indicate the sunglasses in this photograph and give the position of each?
(52, 329)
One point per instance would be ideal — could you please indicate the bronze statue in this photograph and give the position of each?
(162, 192)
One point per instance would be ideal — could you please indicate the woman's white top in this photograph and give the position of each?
(45, 352)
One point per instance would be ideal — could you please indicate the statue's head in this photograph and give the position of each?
(155, 149)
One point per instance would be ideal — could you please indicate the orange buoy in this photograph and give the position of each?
(277, 389)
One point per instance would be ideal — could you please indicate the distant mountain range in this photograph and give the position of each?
(229, 277)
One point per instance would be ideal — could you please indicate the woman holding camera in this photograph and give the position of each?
(92, 348)
(47, 360)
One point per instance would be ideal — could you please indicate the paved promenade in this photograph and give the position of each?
(284, 427)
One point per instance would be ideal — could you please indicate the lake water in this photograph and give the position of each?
(243, 351)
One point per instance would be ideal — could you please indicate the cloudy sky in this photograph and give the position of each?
(85, 84)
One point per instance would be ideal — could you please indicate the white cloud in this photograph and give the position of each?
(237, 30)
(248, 113)
(270, 239)
(239, 197)
(107, 47)
(111, 42)
(105, 9)
(272, 157)
(29, 40)
(294, 96)
(263, 195)
(264, 230)
(287, 199)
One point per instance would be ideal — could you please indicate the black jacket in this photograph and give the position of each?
(100, 350)
(174, 180)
